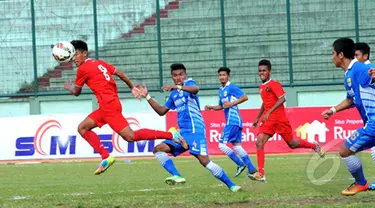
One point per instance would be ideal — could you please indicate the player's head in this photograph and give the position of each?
(178, 72)
(362, 52)
(264, 70)
(224, 75)
(343, 48)
(81, 52)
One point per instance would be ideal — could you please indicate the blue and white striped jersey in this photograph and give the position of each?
(230, 93)
(190, 119)
(359, 88)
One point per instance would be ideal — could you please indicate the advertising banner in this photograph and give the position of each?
(56, 137)
(307, 124)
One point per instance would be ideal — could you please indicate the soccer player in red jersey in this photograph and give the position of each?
(274, 119)
(97, 74)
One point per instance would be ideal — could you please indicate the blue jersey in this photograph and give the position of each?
(230, 93)
(190, 119)
(359, 88)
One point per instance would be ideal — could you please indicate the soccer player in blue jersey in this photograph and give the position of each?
(230, 96)
(360, 89)
(184, 99)
(362, 54)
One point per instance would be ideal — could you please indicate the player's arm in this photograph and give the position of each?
(161, 110)
(242, 99)
(75, 90)
(278, 103)
(213, 107)
(345, 104)
(261, 111)
(279, 92)
(217, 107)
(192, 89)
(124, 78)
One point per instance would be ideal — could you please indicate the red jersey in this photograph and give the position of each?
(270, 92)
(97, 74)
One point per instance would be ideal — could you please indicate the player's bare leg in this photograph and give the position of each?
(218, 172)
(354, 165)
(261, 141)
(84, 129)
(293, 144)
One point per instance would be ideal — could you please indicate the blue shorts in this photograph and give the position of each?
(360, 140)
(232, 134)
(197, 144)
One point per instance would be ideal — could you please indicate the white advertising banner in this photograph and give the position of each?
(56, 137)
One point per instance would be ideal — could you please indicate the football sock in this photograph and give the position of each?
(93, 139)
(245, 158)
(354, 166)
(150, 134)
(218, 172)
(260, 157)
(231, 154)
(305, 144)
(167, 163)
(373, 154)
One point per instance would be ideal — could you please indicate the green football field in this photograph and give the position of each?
(292, 181)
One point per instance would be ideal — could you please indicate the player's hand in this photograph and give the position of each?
(327, 114)
(208, 107)
(255, 123)
(227, 104)
(68, 85)
(168, 88)
(265, 117)
(144, 91)
(136, 92)
(371, 72)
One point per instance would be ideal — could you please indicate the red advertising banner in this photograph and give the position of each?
(307, 124)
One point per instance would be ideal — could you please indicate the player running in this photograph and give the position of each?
(184, 99)
(97, 74)
(230, 96)
(362, 54)
(274, 119)
(361, 94)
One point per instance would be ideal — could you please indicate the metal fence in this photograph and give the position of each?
(143, 37)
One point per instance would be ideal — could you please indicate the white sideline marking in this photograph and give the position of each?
(105, 193)
(141, 162)
(20, 197)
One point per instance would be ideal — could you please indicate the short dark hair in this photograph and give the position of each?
(224, 69)
(345, 46)
(265, 62)
(79, 45)
(363, 47)
(177, 66)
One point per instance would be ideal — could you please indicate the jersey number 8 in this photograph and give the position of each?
(104, 70)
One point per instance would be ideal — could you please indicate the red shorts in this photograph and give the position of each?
(111, 114)
(281, 127)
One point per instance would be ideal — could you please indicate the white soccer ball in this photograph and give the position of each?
(63, 52)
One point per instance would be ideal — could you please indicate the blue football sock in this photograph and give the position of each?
(167, 163)
(354, 166)
(245, 158)
(231, 154)
(218, 172)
